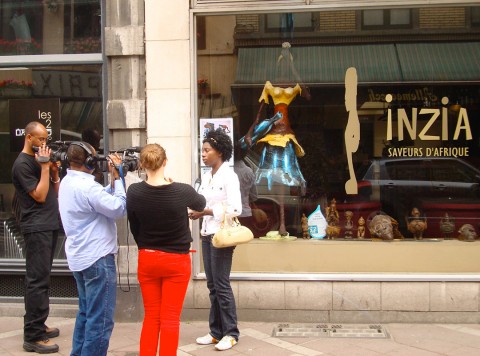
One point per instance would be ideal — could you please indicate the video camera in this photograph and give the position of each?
(130, 160)
(58, 151)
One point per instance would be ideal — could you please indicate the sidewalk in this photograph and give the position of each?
(256, 339)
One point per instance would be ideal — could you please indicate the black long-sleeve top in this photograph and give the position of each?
(158, 215)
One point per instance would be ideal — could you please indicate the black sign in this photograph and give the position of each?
(24, 111)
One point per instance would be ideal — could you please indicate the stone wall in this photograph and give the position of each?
(125, 51)
(344, 302)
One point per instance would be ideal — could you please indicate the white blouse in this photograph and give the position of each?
(222, 192)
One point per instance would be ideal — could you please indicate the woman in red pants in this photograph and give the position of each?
(157, 213)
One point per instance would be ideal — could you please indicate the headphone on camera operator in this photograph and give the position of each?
(90, 159)
(87, 158)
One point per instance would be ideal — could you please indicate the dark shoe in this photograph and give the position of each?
(52, 332)
(42, 347)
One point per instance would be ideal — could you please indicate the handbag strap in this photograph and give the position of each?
(235, 221)
(222, 225)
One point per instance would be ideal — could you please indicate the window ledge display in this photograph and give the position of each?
(330, 256)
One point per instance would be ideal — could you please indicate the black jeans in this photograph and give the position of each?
(223, 312)
(40, 247)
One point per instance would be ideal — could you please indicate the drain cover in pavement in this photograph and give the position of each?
(331, 330)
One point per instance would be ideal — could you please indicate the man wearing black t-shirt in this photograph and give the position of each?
(36, 182)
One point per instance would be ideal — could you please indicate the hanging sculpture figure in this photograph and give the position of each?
(278, 161)
(352, 130)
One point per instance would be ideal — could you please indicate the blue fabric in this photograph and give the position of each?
(97, 294)
(260, 130)
(223, 312)
(88, 213)
(280, 165)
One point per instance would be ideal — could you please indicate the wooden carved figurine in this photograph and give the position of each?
(361, 228)
(332, 213)
(416, 224)
(447, 226)
(467, 233)
(348, 224)
(381, 227)
(333, 230)
(305, 233)
(384, 227)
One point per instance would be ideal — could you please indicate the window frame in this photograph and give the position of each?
(253, 275)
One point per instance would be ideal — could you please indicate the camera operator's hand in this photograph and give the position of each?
(43, 155)
(115, 161)
(55, 172)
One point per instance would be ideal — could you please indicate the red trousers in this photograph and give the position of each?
(163, 280)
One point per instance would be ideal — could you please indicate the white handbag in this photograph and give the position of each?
(231, 234)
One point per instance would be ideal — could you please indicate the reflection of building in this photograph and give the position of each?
(419, 55)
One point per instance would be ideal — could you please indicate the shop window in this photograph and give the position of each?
(416, 149)
(68, 101)
(318, 121)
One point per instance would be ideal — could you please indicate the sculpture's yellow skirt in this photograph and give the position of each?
(282, 140)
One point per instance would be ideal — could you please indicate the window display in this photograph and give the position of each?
(378, 128)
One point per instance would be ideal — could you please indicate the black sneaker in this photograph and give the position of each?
(42, 346)
(52, 332)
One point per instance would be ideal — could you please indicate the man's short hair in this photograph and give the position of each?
(31, 126)
(77, 155)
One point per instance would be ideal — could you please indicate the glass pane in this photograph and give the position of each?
(475, 13)
(400, 136)
(289, 21)
(50, 27)
(399, 17)
(67, 100)
(305, 81)
(373, 18)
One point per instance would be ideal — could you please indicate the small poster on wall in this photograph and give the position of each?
(206, 125)
(23, 111)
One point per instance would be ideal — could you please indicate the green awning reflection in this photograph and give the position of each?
(440, 61)
(387, 63)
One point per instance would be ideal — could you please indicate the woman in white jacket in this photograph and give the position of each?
(221, 189)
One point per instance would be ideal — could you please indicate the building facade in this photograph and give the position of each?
(402, 126)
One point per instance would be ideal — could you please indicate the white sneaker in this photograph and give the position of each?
(206, 340)
(226, 343)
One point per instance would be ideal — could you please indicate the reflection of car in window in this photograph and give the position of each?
(431, 184)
